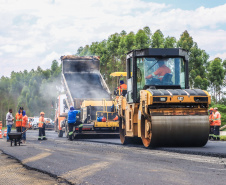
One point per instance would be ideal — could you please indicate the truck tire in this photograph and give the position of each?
(60, 133)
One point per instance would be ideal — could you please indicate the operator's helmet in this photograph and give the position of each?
(211, 109)
(42, 113)
(215, 108)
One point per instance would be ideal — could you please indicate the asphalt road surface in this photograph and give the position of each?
(106, 161)
(12, 172)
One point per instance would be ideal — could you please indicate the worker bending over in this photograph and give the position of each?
(41, 126)
(217, 123)
(72, 121)
(211, 119)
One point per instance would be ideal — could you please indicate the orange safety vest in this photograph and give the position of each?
(24, 121)
(161, 71)
(19, 119)
(217, 119)
(122, 87)
(41, 122)
(211, 119)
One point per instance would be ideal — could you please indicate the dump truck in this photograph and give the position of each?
(159, 108)
(85, 90)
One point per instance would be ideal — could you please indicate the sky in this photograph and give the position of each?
(34, 33)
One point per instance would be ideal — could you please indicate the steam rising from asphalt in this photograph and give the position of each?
(50, 90)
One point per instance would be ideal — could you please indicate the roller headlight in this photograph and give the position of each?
(159, 99)
(180, 98)
(199, 99)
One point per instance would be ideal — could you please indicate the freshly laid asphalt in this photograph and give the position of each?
(212, 148)
(106, 161)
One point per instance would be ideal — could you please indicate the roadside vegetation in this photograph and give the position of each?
(36, 90)
(204, 74)
(223, 138)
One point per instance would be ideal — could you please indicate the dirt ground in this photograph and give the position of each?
(12, 172)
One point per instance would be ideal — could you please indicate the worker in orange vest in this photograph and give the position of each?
(122, 86)
(217, 124)
(160, 72)
(211, 119)
(19, 117)
(41, 126)
(24, 125)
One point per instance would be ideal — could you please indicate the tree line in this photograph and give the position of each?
(204, 74)
(36, 90)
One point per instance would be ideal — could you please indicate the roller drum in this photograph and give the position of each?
(180, 130)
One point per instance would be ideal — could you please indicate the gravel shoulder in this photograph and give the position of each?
(13, 172)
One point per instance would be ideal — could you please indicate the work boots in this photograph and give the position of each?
(44, 138)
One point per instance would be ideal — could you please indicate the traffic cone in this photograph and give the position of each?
(5, 133)
(0, 134)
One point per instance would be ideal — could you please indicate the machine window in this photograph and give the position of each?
(160, 71)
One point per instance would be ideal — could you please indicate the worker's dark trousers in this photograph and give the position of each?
(217, 132)
(70, 128)
(18, 129)
(211, 132)
(42, 133)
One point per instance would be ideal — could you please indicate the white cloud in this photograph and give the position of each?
(46, 62)
(220, 55)
(9, 48)
(37, 32)
(210, 40)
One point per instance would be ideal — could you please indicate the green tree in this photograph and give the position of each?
(157, 40)
(201, 83)
(185, 41)
(142, 40)
(85, 51)
(93, 48)
(123, 33)
(216, 76)
(79, 50)
(147, 30)
(198, 62)
(170, 42)
(130, 41)
(54, 66)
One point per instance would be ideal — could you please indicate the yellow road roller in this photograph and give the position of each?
(159, 108)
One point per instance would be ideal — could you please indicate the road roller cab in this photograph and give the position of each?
(159, 107)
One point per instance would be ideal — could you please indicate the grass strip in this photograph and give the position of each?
(223, 138)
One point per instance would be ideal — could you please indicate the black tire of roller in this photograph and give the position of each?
(127, 140)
